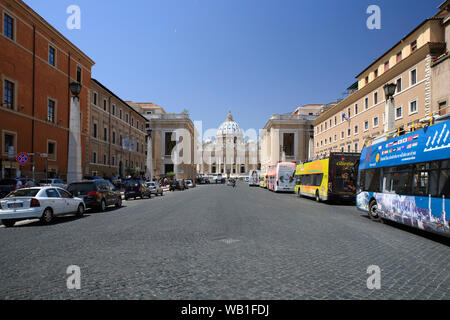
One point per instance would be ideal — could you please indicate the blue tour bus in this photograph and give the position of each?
(406, 179)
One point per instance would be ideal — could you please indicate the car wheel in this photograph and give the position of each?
(47, 216)
(373, 211)
(317, 196)
(103, 205)
(80, 211)
(119, 203)
(8, 223)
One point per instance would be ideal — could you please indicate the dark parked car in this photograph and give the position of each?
(7, 186)
(137, 189)
(177, 185)
(97, 194)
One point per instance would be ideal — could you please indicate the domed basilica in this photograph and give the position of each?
(230, 153)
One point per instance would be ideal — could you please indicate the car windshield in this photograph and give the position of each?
(24, 193)
(81, 188)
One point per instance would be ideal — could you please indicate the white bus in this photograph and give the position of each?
(253, 178)
(281, 177)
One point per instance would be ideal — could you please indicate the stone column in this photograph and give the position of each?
(74, 170)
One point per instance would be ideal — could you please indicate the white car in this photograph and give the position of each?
(41, 202)
(53, 183)
(190, 184)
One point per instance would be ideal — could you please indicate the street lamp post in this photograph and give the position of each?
(389, 91)
(74, 171)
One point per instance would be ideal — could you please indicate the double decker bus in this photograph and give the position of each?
(333, 178)
(281, 177)
(406, 179)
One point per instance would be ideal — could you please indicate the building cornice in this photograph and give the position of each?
(394, 48)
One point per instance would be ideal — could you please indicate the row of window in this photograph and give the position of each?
(329, 123)
(113, 138)
(9, 139)
(9, 32)
(113, 112)
(423, 179)
(398, 58)
(314, 180)
(113, 161)
(375, 123)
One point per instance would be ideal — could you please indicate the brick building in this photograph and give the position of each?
(117, 141)
(37, 64)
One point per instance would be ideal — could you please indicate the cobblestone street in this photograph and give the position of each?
(219, 242)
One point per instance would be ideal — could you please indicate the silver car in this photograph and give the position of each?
(53, 183)
(155, 188)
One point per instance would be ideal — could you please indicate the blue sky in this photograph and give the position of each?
(254, 57)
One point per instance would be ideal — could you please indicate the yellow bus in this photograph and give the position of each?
(333, 178)
(263, 181)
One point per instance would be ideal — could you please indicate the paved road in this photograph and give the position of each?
(216, 242)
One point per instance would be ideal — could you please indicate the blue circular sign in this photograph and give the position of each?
(23, 158)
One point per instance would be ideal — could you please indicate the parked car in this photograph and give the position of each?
(137, 189)
(53, 183)
(120, 187)
(28, 183)
(7, 186)
(177, 185)
(40, 202)
(97, 194)
(155, 188)
(190, 183)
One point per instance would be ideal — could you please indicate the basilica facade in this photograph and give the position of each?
(230, 152)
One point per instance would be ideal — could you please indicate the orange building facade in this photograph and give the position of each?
(37, 64)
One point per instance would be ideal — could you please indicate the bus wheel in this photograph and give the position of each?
(373, 211)
(317, 196)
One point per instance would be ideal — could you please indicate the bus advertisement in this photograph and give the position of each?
(281, 177)
(253, 179)
(406, 179)
(333, 178)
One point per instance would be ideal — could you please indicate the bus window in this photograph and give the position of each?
(317, 179)
(369, 180)
(444, 183)
(398, 180)
(433, 183)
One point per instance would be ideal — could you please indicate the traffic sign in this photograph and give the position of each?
(23, 158)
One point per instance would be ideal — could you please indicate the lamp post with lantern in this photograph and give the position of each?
(389, 91)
